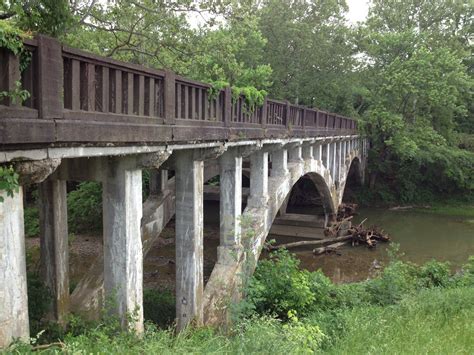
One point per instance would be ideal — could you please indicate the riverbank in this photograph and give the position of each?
(405, 309)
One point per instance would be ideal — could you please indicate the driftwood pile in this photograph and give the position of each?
(342, 232)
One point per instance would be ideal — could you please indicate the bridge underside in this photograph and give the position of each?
(130, 227)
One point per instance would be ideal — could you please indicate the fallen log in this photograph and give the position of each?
(329, 248)
(311, 242)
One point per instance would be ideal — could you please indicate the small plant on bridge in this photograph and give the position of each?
(8, 181)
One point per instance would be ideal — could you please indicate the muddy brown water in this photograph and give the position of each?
(422, 236)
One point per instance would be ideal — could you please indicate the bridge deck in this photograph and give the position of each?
(78, 98)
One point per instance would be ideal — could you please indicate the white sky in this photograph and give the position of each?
(357, 10)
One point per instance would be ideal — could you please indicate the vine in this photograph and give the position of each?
(8, 181)
(253, 98)
(12, 38)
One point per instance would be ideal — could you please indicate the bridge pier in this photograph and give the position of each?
(189, 239)
(258, 179)
(230, 204)
(123, 257)
(54, 250)
(13, 290)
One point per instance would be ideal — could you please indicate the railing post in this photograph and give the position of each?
(169, 97)
(50, 78)
(303, 118)
(9, 75)
(287, 116)
(264, 113)
(227, 106)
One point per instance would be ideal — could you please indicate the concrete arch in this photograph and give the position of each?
(322, 189)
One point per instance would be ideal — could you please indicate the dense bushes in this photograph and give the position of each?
(85, 208)
(279, 287)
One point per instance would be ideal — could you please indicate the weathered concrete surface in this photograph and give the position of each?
(230, 198)
(13, 295)
(158, 209)
(256, 223)
(189, 239)
(258, 179)
(54, 244)
(123, 256)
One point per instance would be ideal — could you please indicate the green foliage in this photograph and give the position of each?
(85, 208)
(8, 181)
(31, 221)
(39, 301)
(159, 307)
(11, 37)
(50, 17)
(279, 286)
(420, 91)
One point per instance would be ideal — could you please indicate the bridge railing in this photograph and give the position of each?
(78, 97)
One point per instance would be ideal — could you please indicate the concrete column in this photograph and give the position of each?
(54, 244)
(279, 163)
(123, 257)
(13, 295)
(328, 156)
(158, 181)
(230, 198)
(317, 152)
(333, 161)
(258, 179)
(189, 239)
(339, 160)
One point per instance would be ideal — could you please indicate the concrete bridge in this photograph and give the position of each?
(91, 118)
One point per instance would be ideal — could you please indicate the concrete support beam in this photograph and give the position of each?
(279, 163)
(189, 239)
(317, 151)
(258, 179)
(339, 161)
(333, 161)
(54, 244)
(328, 156)
(13, 296)
(123, 257)
(230, 198)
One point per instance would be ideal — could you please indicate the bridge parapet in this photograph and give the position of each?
(78, 97)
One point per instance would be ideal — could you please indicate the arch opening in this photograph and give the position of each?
(353, 182)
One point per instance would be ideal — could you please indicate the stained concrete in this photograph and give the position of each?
(189, 239)
(123, 257)
(13, 295)
(54, 244)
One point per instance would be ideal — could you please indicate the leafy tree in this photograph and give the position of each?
(419, 87)
(309, 49)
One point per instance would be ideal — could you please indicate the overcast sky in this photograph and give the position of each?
(357, 10)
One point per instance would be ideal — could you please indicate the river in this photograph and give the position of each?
(422, 236)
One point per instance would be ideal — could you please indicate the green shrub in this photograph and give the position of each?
(85, 208)
(435, 274)
(159, 307)
(279, 286)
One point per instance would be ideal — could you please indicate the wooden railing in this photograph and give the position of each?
(78, 97)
